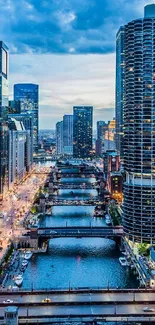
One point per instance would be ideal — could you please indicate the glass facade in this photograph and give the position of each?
(139, 130)
(28, 94)
(68, 134)
(82, 131)
(4, 56)
(119, 89)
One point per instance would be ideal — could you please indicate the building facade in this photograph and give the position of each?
(27, 119)
(16, 156)
(139, 128)
(109, 139)
(68, 135)
(4, 57)
(82, 131)
(101, 129)
(28, 95)
(59, 138)
(120, 66)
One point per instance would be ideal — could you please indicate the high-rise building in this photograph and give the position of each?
(101, 128)
(68, 134)
(27, 119)
(120, 65)
(59, 138)
(109, 138)
(139, 128)
(3, 118)
(28, 95)
(16, 156)
(82, 131)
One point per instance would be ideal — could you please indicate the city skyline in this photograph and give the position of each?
(89, 78)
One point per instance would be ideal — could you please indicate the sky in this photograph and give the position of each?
(68, 48)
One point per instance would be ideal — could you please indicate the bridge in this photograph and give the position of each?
(71, 186)
(79, 232)
(63, 202)
(81, 304)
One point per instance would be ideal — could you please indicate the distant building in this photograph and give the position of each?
(14, 107)
(16, 158)
(82, 131)
(68, 135)
(120, 98)
(28, 95)
(59, 138)
(3, 118)
(109, 142)
(27, 119)
(101, 129)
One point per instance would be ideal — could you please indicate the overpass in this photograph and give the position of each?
(71, 186)
(82, 305)
(79, 232)
(56, 202)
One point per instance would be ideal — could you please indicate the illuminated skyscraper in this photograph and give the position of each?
(82, 131)
(28, 94)
(139, 128)
(3, 118)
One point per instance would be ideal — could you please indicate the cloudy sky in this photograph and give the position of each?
(68, 48)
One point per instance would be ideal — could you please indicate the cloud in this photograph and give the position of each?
(65, 26)
(67, 80)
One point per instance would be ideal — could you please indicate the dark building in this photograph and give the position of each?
(120, 65)
(101, 129)
(28, 94)
(14, 107)
(139, 129)
(82, 131)
(115, 185)
(3, 118)
(111, 162)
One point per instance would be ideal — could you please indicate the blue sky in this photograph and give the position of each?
(68, 48)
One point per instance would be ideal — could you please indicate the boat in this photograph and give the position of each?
(123, 261)
(24, 263)
(28, 255)
(108, 220)
(19, 280)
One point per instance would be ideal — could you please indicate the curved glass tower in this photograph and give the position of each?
(139, 128)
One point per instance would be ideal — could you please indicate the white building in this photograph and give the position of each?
(17, 141)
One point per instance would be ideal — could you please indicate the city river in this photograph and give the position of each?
(77, 262)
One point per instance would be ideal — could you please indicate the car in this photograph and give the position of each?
(8, 301)
(148, 309)
(46, 300)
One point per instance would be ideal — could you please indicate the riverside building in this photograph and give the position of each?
(139, 128)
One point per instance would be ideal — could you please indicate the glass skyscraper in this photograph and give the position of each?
(59, 138)
(139, 128)
(82, 131)
(3, 118)
(28, 94)
(119, 89)
(68, 134)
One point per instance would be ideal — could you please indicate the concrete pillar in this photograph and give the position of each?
(42, 205)
(51, 187)
(11, 315)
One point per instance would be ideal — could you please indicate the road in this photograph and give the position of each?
(75, 298)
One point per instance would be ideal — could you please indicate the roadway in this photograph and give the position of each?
(55, 232)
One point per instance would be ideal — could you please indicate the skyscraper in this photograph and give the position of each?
(3, 118)
(27, 94)
(68, 134)
(139, 128)
(101, 128)
(59, 138)
(119, 89)
(82, 131)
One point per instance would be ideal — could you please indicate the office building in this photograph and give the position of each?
(120, 65)
(115, 185)
(28, 94)
(3, 118)
(101, 129)
(109, 137)
(14, 107)
(59, 138)
(82, 131)
(27, 119)
(68, 135)
(139, 129)
(111, 162)
(16, 156)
